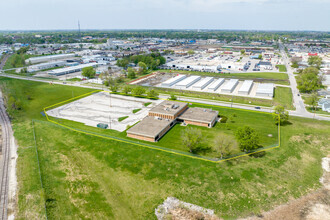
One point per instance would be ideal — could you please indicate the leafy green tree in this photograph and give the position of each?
(315, 61)
(114, 88)
(191, 52)
(247, 138)
(143, 67)
(138, 91)
(280, 115)
(152, 94)
(127, 89)
(309, 80)
(295, 64)
(242, 52)
(223, 146)
(122, 63)
(88, 72)
(172, 97)
(260, 57)
(131, 73)
(313, 100)
(192, 138)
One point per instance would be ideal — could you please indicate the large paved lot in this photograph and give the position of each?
(100, 108)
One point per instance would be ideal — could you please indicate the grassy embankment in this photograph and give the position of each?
(89, 177)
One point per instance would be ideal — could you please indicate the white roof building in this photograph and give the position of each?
(48, 58)
(230, 86)
(203, 83)
(71, 69)
(174, 80)
(216, 84)
(265, 90)
(246, 87)
(188, 81)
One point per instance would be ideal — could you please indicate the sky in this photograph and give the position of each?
(284, 15)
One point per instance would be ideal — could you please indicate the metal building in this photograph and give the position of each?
(230, 86)
(187, 82)
(265, 90)
(203, 83)
(216, 84)
(71, 69)
(174, 80)
(246, 87)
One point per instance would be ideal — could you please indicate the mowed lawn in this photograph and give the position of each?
(90, 177)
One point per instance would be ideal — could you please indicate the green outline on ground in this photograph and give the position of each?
(167, 150)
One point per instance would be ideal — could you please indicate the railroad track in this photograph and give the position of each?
(6, 129)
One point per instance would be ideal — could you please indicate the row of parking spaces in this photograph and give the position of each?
(220, 85)
(106, 109)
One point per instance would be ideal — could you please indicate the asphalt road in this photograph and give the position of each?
(297, 100)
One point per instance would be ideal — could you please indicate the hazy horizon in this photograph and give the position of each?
(245, 15)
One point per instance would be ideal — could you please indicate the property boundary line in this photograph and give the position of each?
(156, 147)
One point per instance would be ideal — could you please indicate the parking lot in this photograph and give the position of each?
(105, 108)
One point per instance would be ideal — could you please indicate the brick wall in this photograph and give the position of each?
(196, 123)
(141, 137)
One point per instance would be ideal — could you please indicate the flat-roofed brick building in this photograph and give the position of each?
(168, 109)
(164, 116)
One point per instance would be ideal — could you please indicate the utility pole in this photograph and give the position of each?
(110, 99)
(109, 121)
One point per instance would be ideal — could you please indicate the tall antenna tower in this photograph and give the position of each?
(79, 35)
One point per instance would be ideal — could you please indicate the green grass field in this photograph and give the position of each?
(283, 96)
(274, 77)
(281, 68)
(89, 177)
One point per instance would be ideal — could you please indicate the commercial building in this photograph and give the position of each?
(246, 87)
(150, 129)
(41, 59)
(168, 109)
(199, 116)
(43, 66)
(216, 84)
(71, 69)
(164, 116)
(265, 90)
(187, 82)
(230, 86)
(203, 83)
(174, 80)
(265, 65)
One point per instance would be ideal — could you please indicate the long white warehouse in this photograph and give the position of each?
(265, 90)
(43, 66)
(71, 69)
(203, 83)
(174, 80)
(246, 87)
(40, 59)
(216, 84)
(230, 86)
(187, 82)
